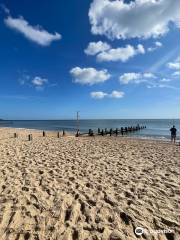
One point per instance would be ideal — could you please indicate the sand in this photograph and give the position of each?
(87, 188)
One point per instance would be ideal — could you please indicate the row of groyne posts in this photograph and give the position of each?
(118, 131)
(30, 136)
(101, 132)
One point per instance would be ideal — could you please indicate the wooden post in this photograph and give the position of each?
(58, 135)
(102, 132)
(116, 132)
(122, 131)
(91, 133)
(77, 134)
(77, 121)
(44, 134)
(30, 137)
(99, 130)
(110, 132)
(15, 135)
(64, 133)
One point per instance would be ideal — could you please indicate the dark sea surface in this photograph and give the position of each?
(155, 128)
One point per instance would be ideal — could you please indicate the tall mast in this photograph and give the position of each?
(77, 120)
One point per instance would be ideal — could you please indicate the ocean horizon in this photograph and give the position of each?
(155, 128)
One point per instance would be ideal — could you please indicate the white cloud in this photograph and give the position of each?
(174, 65)
(137, 78)
(139, 18)
(106, 53)
(89, 76)
(165, 80)
(140, 49)
(129, 77)
(39, 81)
(96, 47)
(98, 95)
(120, 54)
(116, 94)
(176, 74)
(113, 94)
(158, 44)
(34, 33)
(148, 75)
(157, 85)
(155, 47)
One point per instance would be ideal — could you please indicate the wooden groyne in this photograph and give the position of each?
(118, 131)
(29, 137)
(100, 132)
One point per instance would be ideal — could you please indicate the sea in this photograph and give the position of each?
(155, 128)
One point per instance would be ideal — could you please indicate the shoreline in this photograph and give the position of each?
(72, 133)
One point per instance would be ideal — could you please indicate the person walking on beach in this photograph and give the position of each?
(173, 134)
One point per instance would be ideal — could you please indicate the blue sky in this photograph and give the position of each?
(106, 59)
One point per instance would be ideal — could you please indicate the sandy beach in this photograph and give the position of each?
(93, 188)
